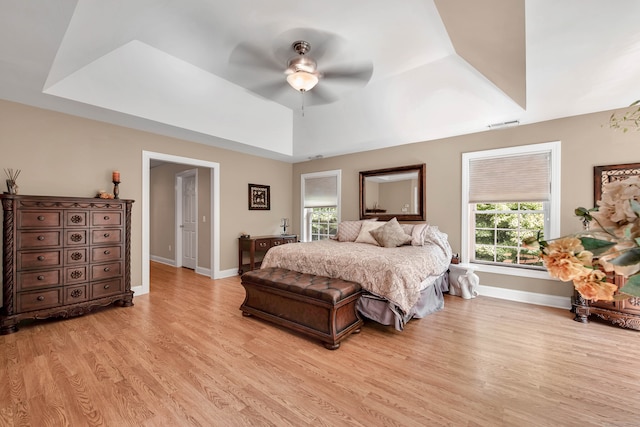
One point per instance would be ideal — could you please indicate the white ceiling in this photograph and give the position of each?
(440, 67)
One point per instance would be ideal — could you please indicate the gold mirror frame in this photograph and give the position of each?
(385, 213)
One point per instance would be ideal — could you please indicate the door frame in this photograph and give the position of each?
(178, 216)
(147, 156)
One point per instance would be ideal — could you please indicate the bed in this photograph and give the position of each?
(401, 282)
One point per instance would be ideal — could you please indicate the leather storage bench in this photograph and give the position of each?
(316, 306)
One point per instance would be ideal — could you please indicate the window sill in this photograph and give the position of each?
(510, 271)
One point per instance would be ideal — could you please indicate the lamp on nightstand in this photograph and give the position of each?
(284, 223)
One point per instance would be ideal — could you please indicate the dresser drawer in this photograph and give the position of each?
(277, 242)
(631, 305)
(40, 259)
(100, 219)
(75, 237)
(76, 293)
(75, 274)
(76, 218)
(29, 301)
(106, 253)
(263, 244)
(39, 279)
(106, 235)
(106, 288)
(105, 271)
(38, 239)
(39, 219)
(76, 256)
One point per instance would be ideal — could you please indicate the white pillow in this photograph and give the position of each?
(418, 233)
(364, 236)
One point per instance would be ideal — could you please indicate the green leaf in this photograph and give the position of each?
(583, 213)
(632, 287)
(630, 257)
(597, 246)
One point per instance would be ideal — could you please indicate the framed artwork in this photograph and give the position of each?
(608, 173)
(259, 197)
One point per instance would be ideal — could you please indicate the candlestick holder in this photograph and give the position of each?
(116, 191)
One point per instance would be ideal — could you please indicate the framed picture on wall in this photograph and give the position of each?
(608, 173)
(259, 197)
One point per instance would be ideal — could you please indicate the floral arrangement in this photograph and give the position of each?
(628, 120)
(612, 245)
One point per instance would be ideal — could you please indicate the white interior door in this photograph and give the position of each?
(189, 226)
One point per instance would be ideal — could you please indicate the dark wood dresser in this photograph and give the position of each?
(624, 313)
(259, 244)
(63, 257)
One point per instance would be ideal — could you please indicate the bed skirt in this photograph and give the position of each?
(381, 311)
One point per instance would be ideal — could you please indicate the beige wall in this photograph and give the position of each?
(162, 212)
(63, 155)
(585, 143)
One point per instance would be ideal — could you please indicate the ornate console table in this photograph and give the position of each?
(625, 313)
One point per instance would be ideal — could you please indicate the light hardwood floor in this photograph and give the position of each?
(184, 355)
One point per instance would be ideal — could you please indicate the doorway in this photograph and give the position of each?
(147, 158)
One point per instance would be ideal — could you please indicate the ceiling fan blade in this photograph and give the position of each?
(320, 95)
(352, 73)
(249, 56)
(272, 89)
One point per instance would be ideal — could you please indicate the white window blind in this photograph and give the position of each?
(519, 178)
(321, 192)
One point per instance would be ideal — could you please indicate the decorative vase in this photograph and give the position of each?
(12, 187)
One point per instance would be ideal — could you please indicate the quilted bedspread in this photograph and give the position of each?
(396, 274)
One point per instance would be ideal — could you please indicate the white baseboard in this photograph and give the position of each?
(203, 271)
(228, 273)
(162, 260)
(526, 297)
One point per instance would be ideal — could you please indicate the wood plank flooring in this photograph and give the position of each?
(185, 356)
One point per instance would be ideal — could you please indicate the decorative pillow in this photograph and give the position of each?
(418, 233)
(390, 235)
(408, 228)
(365, 236)
(348, 230)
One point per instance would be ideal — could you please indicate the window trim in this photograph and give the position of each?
(553, 148)
(324, 174)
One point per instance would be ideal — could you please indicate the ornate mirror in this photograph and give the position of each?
(393, 192)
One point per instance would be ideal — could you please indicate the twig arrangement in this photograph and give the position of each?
(12, 175)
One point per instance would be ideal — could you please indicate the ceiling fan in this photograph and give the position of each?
(298, 66)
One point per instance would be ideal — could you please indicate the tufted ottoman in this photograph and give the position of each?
(316, 306)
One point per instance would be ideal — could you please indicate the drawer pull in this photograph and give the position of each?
(107, 286)
(41, 238)
(76, 293)
(41, 277)
(40, 218)
(107, 252)
(40, 298)
(40, 258)
(106, 218)
(106, 234)
(107, 269)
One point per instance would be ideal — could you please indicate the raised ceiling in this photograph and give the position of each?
(440, 68)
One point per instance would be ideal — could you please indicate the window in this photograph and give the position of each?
(320, 205)
(508, 195)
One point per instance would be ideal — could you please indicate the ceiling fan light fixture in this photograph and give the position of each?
(302, 81)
